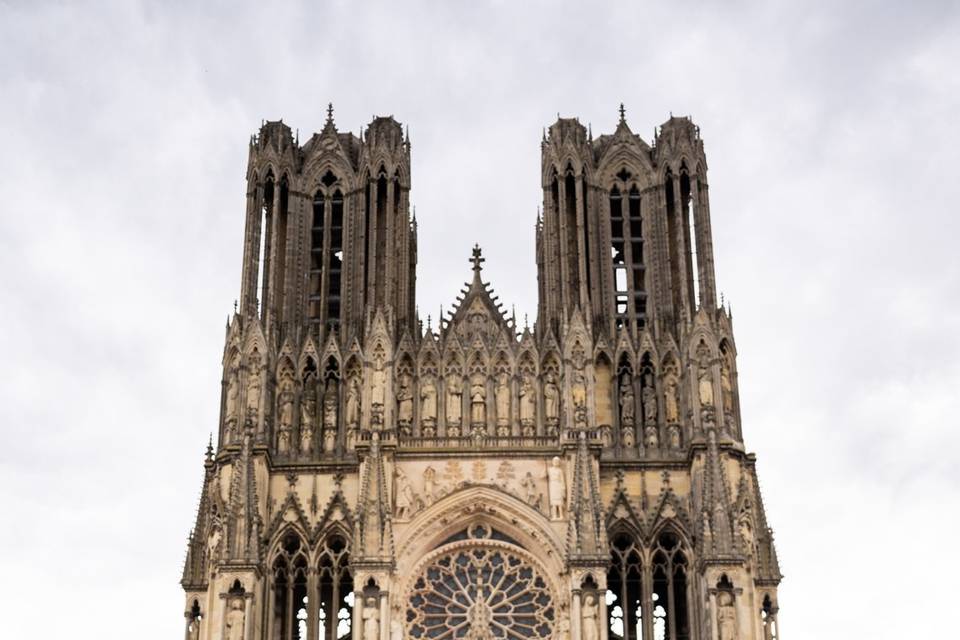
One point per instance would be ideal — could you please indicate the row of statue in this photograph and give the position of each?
(428, 394)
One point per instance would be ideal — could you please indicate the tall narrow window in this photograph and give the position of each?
(671, 618)
(381, 238)
(673, 237)
(367, 248)
(570, 220)
(263, 251)
(625, 589)
(335, 262)
(289, 590)
(280, 255)
(618, 257)
(689, 230)
(586, 229)
(638, 293)
(317, 225)
(335, 586)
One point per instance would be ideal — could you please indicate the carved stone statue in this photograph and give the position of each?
(478, 400)
(378, 390)
(503, 399)
(405, 402)
(396, 627)
(233, 395)
(528, 401)
(558, 488)
(551, 399)
(371, 619)
(353, 402)
(428, 402)
(628, 403)
(726, 616)
(213, 542)
(308, 416)
(671, 398)
(429, 485)
(193, 630)
(454, 399)
(329, 440)
(726, 387)
(254, 387)
(705, 383)
(578, 395)
(590, 612)
(234, 620)
(529, 486)
(649, 397)
(404, 497)
(285, 418)
(330, 397)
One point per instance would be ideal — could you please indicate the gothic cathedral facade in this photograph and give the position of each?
(376, 478)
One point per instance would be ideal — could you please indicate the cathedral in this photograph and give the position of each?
(376, 477)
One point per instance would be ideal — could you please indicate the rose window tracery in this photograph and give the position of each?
(480, 591)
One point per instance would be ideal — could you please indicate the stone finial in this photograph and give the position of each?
(477, 259)
(623, 114)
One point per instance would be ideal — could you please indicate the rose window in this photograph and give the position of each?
(480, 593)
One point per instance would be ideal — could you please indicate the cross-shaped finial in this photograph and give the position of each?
(329, 113)
(477, 259)
(623, 113)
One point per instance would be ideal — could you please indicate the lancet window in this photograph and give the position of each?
(289, 589)
(326, 253)
(335, 590)
(647, 594)
(626, 250)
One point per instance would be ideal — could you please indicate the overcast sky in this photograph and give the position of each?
(832, 134)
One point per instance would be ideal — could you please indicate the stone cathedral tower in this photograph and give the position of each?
(376, 479)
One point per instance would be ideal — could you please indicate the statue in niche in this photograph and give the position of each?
(726, 616)
(285, 417)
(478, 400)
(329, 440)
(551, 400)
(528, 403)
(726, 387)
(650, 438)
(673, 431)
(308, 414)
(704, 377)
(428, 402)
(371, 619)
(746, 531)
(503, 402)
(233, 397)
(396, 627)
(353, 402)
(254, 388)
(404, 498)
(649, 397)
(578, 394)
(454, 400)
(590, 612)
(378, 381)
(405, 404)
(193, 631)
(557, 487)
(529, 486)
(671, 397)
(234, 620)
(429, 485)
(628, 403)
(330, 397)
(213, 542)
